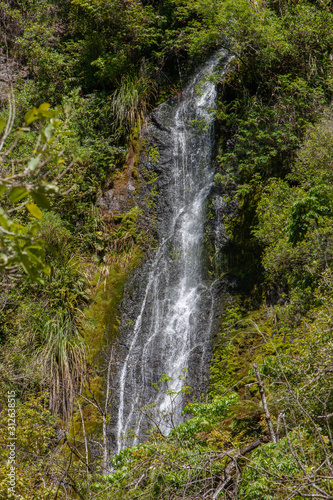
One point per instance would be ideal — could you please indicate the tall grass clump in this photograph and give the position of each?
(62, 359)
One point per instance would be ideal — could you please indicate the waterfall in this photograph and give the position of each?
(167, 331)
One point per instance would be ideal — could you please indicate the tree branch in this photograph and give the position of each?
(264, 403)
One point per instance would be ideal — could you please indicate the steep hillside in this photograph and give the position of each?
(71, 236)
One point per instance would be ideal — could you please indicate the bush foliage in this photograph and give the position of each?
(101, 65)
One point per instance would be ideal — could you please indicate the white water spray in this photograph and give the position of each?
(163, 343)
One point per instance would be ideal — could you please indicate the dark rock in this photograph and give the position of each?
(119, 199)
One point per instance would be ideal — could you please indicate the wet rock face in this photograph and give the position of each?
(169, 306)
(159, 138)
(222, 206)
(152, 172)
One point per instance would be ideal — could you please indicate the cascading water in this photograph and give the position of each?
(166, 332)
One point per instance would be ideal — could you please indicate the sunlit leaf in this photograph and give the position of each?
(47, 114)
(44, 107)
(31, 116)
(34, 210)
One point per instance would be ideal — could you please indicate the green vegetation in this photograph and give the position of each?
(81, 77)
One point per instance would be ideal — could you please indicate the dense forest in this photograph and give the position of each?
(78, 80)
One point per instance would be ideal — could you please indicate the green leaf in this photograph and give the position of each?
(49, 131)
(32, 256)
(33, 163)
(4, 222)
(2, 189)
(2, 124)
(47, 270)
(34, 228)
(31, 116)
(17, 193)
(40, 199)
(25, 263)
(34, 210)
(4, 259)
(37, 250)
